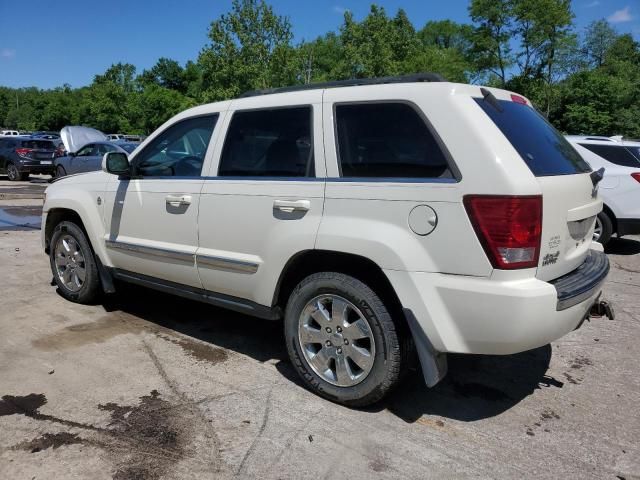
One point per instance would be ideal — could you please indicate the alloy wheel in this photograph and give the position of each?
(597, 231)
(70, 263)
(12, 172)
(336, 340)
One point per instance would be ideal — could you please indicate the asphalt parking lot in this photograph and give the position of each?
(147, 386)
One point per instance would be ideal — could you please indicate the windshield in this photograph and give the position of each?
(128, 147)
(545, 151)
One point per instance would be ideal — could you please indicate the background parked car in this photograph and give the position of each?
(115, 137)
(20, 156)
(89, 157)
(620, 187)
(9, 133)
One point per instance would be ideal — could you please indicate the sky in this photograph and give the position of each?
(49, 43)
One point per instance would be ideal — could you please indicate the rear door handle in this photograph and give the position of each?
(289, 206)
(178, 200)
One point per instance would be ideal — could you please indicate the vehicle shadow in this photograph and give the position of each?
(623, 246)
(476, 386)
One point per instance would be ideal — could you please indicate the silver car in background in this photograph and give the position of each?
(89, 157)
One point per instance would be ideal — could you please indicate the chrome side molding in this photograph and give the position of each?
(208, 261)
(227, 264)
(155, 251)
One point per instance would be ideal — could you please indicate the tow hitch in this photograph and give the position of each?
(600, 309)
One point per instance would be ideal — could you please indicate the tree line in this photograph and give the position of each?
(585, 82)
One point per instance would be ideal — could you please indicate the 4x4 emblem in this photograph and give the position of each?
(550, 258)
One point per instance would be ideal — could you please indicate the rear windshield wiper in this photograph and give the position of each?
(491, 99)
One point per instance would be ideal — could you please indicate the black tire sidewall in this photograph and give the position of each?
(386, 368)
(607, 228)
(59, 169)
(12, 167)
(90, 290)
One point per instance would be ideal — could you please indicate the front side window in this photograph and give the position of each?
(387, 140)
(179, 151)
(613, 153)
(269, 143)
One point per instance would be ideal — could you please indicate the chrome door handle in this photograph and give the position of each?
(178, 200)
(290, 206)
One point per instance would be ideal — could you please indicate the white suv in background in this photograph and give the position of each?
(375, 216)
(620, 187)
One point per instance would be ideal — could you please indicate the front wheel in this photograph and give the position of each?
(342, 340)
(60, 171)
(73, 264)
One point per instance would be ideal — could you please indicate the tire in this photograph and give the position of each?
(13, 173)
(60, 172)
(374, 376)
(62, 260)
(603, 229)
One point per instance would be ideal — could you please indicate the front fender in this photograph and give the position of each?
(83, 200)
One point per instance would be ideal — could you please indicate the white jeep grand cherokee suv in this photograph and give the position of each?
(375, 216)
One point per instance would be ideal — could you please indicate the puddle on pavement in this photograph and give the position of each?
(20, 217)
(119, 323)
(154, 434)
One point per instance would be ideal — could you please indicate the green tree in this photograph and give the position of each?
(250, 48)
(491, 36)
(598, 38)
(166, 73)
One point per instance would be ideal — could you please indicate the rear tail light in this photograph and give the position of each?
(508, 227)
(24, 152)
(636, 176)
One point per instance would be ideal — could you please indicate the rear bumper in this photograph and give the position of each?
(487, 316)
(35, 166)
(628, 226)
(580, 284)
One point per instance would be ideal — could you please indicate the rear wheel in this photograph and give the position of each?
(73, 264)
(60, 171)
(603, 229)
(13, 173)
(342, 340)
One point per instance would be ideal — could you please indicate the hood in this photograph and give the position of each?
(74, 138)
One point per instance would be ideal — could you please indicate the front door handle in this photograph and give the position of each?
(290, 206)
(178, 200)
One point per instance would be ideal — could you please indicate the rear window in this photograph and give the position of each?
(38, 144)
(545, 151)
(613, 153)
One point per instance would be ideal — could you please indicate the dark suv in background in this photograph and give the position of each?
(21, 156)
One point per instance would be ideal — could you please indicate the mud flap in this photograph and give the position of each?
(106, 280)
(433, 363)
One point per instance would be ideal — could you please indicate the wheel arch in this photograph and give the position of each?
(364, 269)
(614, 221)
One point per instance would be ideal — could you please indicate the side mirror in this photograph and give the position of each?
(116, 163)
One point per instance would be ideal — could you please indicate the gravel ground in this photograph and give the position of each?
(147, 386)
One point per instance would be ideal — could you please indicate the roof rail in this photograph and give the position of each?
(415, 77)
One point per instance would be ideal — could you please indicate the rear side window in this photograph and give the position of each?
(269, 143)
(614, 154)
(38, 144)
(545, 151)
(387, 140)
